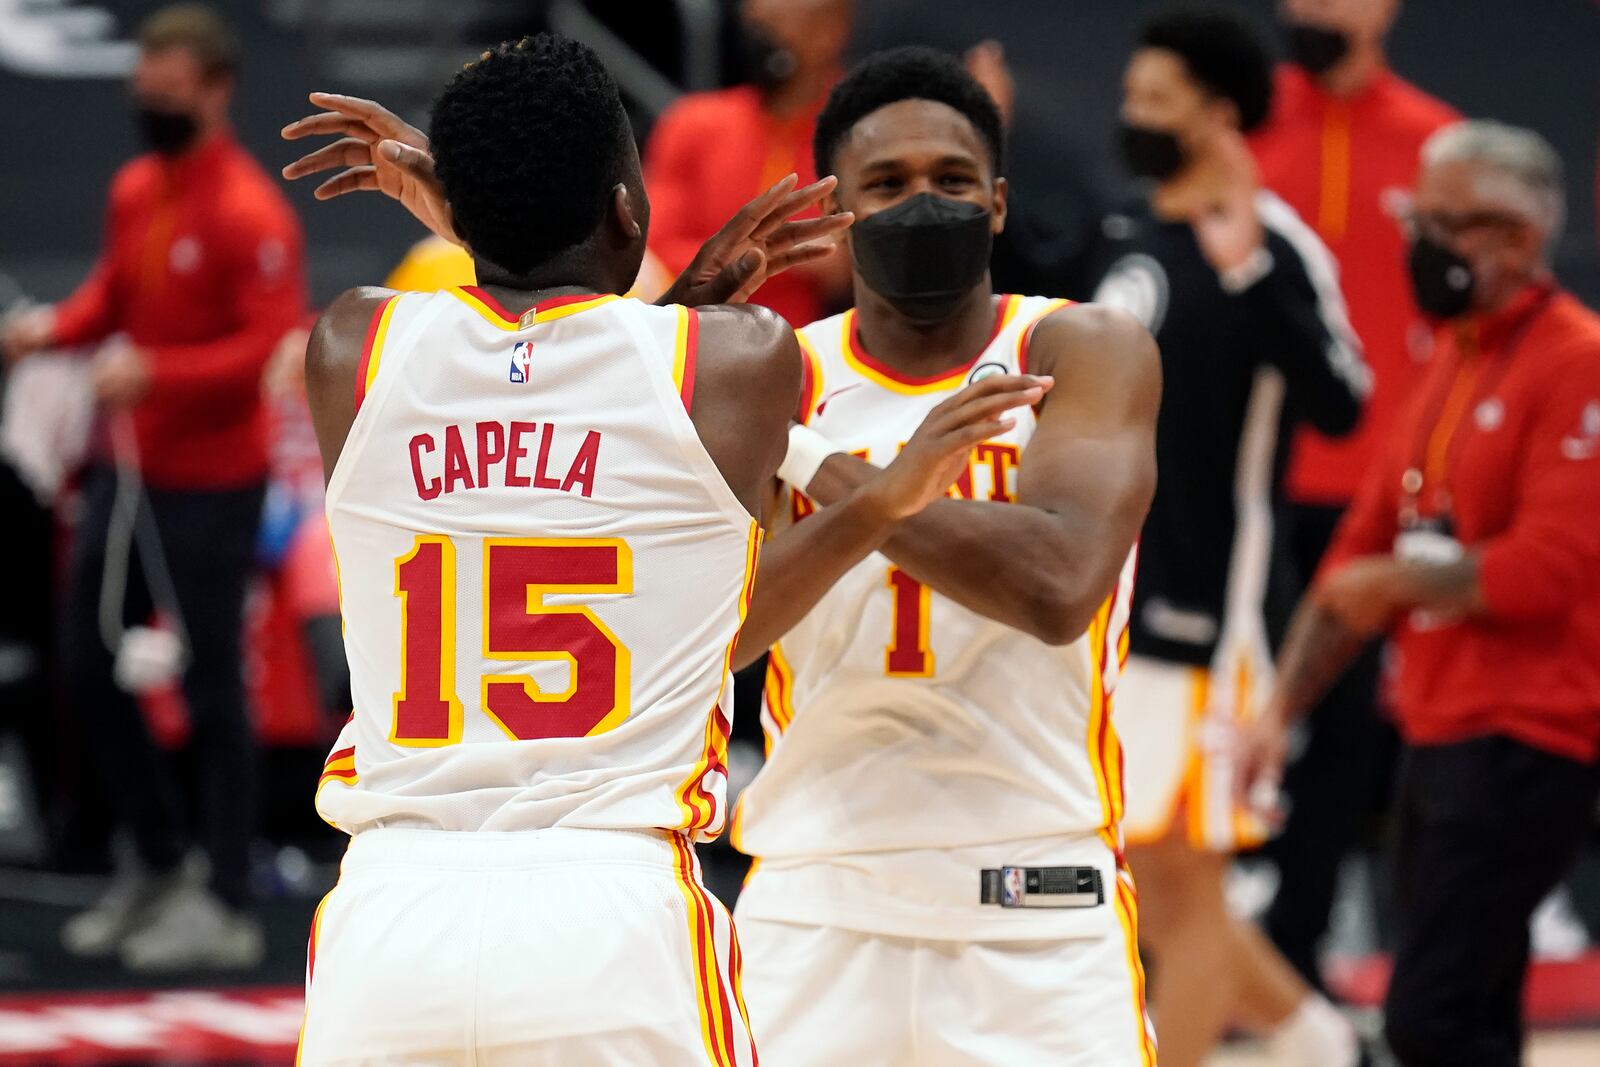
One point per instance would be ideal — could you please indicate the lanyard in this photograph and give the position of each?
(1439, 442)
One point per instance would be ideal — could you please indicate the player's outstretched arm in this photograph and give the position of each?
(802, 563)
(377, 151)
(1045, 563)
(333, 358)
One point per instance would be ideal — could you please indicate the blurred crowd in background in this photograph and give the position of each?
(171, 666)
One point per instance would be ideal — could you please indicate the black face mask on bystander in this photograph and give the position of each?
(1441, 280)
(166, 132)
(768, 65)
(1151, 153)
(1316, 48)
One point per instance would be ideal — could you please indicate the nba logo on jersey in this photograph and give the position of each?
(521, 362)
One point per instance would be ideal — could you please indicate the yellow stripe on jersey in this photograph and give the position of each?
(954, 378)
(715, 1027)
(811, 380)
(680, 351)
(538, 316)
(533, 316)
(698, 816)
(1127, 907)
(1193, 789)
(1025, 335)
(375, 353)
(780, 693)
(1099, 712)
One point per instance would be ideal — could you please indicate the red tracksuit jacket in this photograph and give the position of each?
(1506, 425)
(1346, 166)
(203, 269)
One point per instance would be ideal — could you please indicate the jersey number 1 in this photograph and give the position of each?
(908, 654)
(518, 573)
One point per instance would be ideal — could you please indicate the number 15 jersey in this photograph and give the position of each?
(542, 573)
(899, 723)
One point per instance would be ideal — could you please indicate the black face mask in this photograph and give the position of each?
(1151, 153)
(924, 254)
(1441, 280)
(1316, 48)
(768, 65)
(166, 132)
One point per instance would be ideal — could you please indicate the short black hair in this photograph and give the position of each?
(911, 73)
(1222, 52)
(528, 142)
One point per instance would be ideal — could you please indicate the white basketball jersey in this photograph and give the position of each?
(542, 573)
(896, 719)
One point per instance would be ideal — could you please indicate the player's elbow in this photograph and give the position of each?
(1057, 613)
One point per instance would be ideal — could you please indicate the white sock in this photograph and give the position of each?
(1314, 1035)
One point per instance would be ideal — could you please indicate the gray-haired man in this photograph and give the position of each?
(1473, 545)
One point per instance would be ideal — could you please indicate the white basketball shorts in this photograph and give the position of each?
(578, 948)
(827, 996)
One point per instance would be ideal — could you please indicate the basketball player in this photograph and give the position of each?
(938, 874)
(540, 497)
(1244, 302)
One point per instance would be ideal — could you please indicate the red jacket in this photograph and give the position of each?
(1506, 421)
(1345, 165)
(709, 155)
(203, 269)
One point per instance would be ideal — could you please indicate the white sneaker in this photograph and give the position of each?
(100, 930)
(190, 928)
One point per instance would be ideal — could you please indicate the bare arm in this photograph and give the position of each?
(333, 354)
(1046, 563)
(802, 563)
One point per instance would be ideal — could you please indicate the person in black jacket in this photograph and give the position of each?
(1244, 303)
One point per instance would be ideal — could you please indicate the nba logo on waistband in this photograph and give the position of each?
(1013, 887)
(521, 362)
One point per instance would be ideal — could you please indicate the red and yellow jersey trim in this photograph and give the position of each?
(340, 767)
(780, 695)
(1105, 750)
(311, 970)
(697, 806)
(685, 350)
(491, 311)
(874, 370)
(810, 380)
(711, 995)
(1025, 338)
(1126, 904)
(372, 349)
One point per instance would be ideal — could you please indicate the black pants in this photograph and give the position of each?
(207, 540)
(1341, 777)
(1487, 829)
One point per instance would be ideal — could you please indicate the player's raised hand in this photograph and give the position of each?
(942, 446)
(377, 151)
(763, 239)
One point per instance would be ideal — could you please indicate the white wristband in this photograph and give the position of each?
(808, 450)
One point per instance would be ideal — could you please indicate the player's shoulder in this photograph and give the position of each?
(749, 352)
(747, 334)
(347, 319)
(1094, 338)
